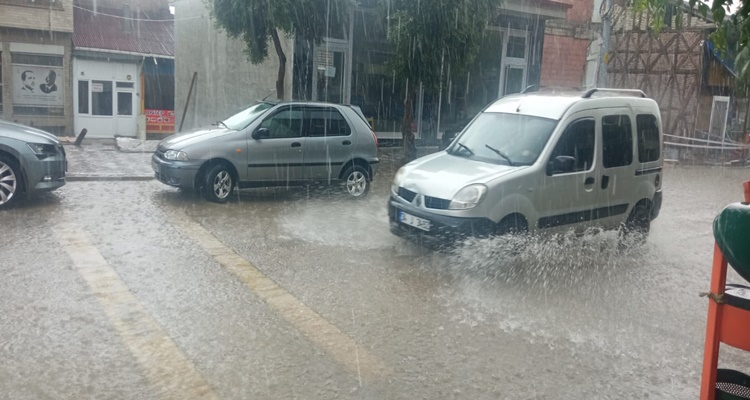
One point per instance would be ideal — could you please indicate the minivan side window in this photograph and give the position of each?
(648, 138)
(286, 123)
(326, 122)
(578, 141)
(617, 141)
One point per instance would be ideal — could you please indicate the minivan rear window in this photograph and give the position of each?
(649, 146)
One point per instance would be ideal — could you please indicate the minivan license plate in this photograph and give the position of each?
(419, 223)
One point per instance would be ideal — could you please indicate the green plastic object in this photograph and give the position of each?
(732, 234)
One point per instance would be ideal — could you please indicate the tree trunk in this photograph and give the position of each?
(410, 147)
(282, 64)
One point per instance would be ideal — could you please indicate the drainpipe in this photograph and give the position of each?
(604, 52)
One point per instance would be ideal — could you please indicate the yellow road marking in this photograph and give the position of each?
(166, 367)
(338, 344)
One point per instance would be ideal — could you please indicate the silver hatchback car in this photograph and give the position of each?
(267, 145)
(31, 161)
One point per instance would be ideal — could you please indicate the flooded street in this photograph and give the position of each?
(136, 290)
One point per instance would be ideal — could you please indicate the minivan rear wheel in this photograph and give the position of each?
(357, 181)
(10, 182)
(218, 184)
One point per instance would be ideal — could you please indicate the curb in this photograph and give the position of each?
(100, 178)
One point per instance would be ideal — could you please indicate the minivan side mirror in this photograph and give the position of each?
(561, 165)
(261, 133)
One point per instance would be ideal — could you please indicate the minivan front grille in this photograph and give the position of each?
(429, 202)
(436, 203)
(406, 194)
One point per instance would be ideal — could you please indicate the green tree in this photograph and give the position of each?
(428, 36)
(255, 21)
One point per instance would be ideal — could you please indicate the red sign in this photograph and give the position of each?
(159, 121)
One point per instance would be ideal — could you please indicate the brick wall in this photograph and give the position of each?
(581, 11)
(563, 61)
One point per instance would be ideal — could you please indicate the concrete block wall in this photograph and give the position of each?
(227, 81)
(45, 18)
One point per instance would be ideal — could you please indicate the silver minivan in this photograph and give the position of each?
(539, 163)
(266, 145)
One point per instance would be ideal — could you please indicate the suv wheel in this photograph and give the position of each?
(10, 182)
(357, 181)
(218, 184)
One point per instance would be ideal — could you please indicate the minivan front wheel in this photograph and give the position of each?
(357, 181)
(218, 184)
(637, 226)
(10, 182)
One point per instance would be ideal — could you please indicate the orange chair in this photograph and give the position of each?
(728, 323)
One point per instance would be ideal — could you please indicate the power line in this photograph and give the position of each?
(138, 19)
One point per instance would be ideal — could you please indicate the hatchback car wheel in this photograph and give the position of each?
(357, 181)
(218, 184)
(9, 182)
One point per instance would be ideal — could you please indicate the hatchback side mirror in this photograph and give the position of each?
(561, 165)
(261, 133)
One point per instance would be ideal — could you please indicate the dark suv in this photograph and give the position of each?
(31, 161)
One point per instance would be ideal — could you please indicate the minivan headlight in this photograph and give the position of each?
(397, 180)
(175, 155)
(468, 197)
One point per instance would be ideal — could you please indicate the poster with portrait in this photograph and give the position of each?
(38, 86)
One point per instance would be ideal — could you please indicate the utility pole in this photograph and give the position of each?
(606, 15)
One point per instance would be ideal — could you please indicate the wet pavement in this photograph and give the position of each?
(133, 289)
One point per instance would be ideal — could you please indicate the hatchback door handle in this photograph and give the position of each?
(589, 181)
(346, 143)
(296, 144)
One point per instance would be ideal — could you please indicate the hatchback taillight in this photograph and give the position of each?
(374, 136)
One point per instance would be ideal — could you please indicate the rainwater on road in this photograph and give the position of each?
(115, 290)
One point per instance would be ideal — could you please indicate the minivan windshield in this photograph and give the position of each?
(502, 138)
(243, 118)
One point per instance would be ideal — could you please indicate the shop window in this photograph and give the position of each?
(124, 103)
(83, 97)
(516, 47)
(36, 59)
(101, 98)
(53, 4)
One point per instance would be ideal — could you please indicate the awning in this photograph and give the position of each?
(726, 58)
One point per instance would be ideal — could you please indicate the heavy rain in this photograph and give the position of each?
(379, 199)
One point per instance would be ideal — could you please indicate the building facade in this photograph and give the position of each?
(351, 66)
(36, 63)
(123, 68)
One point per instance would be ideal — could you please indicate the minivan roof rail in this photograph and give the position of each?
(633, 92)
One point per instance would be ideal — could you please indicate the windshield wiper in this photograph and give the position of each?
(500, 153)
(463, 146)
(217, 123)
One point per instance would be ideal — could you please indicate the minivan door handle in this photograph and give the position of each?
(605, 181)
(346, 143)
(589, 181)
(296, 144)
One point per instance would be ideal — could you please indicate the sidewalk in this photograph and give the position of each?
(127, 159)
(100, 160)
